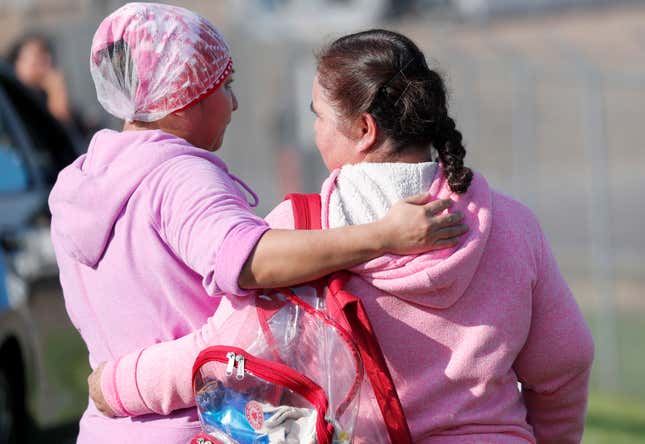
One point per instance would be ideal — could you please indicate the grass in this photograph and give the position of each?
(65, 358)
(614, 419)
(628, 349)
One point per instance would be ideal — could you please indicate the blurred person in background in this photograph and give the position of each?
(459, 328)
(150, 227)
(32, 57)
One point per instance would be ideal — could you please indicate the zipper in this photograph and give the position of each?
(230, 366)
(240, 367)
(272, 372)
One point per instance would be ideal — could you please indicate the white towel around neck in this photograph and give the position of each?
(364, 192)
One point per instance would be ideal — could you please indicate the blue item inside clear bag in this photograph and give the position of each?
(224, 409)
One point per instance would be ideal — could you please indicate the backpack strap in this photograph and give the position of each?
(358, 323)
(307, 211)
(349, 310)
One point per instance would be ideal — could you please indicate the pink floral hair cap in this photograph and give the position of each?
(149, 60)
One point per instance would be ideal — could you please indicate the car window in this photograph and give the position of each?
(14, 175)
(4, 297)
(53, 147)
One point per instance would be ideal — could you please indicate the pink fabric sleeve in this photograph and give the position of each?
(205, 219)
(555, 363)
(281, 217)
(158, 379)
(119, 376)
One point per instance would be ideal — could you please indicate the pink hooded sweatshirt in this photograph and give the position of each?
(459, 328)
(146, 229)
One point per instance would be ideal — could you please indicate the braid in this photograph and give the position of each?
(448, 143)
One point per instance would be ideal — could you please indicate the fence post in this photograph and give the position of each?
(466, 104)
(523, 132)
(601, 257)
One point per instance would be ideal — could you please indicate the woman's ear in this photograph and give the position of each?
(367, 132)
(179, 123)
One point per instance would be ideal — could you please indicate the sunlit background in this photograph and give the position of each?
(550, 97)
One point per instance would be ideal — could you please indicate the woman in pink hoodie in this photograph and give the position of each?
(460, 328)
(150, 222)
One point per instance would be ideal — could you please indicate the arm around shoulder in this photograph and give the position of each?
(157, 379)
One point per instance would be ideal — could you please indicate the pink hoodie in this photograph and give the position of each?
(146, 228)
(459, 328)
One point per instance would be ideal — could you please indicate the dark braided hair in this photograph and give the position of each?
(384, 73)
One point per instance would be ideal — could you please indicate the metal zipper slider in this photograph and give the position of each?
(231, 363)
(240, 367)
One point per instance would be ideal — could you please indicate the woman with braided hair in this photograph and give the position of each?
(150, 226)
(459, 328)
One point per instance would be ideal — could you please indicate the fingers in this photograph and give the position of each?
(90, 380)
(437, 206)
(451, 232)
(418, 199)
(94, 382)
(447, 220)
(445, 243)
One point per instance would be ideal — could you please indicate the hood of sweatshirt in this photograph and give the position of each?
(364, 192)
(91, 193)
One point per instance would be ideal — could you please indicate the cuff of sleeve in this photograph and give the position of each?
(108, 387)
(231, 257)
(120, 388)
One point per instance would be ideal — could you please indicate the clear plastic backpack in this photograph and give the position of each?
(290, 366)
(286, 374)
